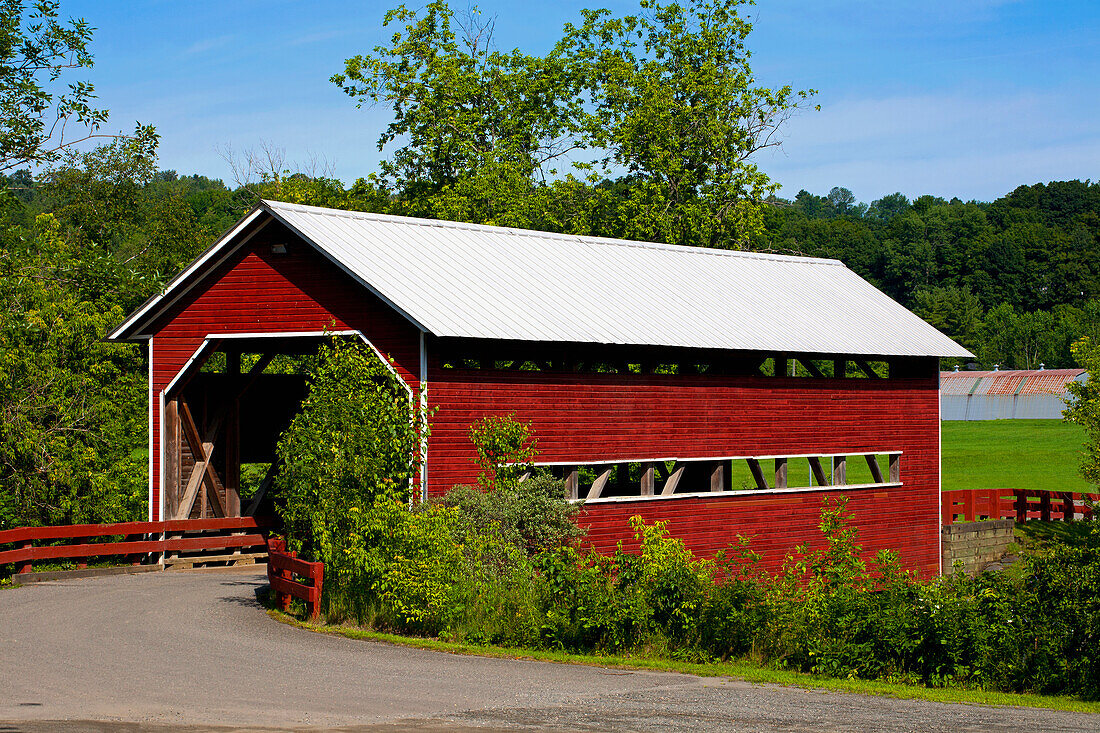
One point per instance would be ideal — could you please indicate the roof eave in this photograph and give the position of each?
(129, 330)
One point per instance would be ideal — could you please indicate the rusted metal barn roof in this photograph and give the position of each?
(1003, 395)
(471, 281)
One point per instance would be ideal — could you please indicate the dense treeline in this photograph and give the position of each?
(1016, 281)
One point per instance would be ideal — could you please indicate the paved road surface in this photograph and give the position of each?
(194, 651)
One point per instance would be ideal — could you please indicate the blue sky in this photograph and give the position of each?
(966, 98)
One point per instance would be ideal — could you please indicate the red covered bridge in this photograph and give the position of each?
(724, 391)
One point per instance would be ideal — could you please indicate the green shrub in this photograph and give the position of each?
(1065, 581)
(505, 449)
(533, 514)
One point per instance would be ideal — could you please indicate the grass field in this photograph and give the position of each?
(1015, 454)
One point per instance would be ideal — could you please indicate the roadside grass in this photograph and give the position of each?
(1012, 454)
(747, 671)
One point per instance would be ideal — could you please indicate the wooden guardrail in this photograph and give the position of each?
(283, 566)
(143, 540)
(969, 505)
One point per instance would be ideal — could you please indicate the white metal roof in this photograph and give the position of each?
(472, 281)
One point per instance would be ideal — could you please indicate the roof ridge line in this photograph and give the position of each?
(586, 239)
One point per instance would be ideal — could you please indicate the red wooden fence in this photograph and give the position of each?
(282, 566)
(969, 505)
(142, 539)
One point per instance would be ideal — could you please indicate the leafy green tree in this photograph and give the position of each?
(36, 50)
(955, 311)
(672, 99)
(1084, 407)
(72, 435)
(658, 112)
(355, 441)
(887, 207)
(1018, 340)
(459, 106)
(842, 200)
(505, 448)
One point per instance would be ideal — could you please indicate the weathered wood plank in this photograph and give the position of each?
(649, 479)
(673, 479)
(572, 482)
(780, 473)
(840, 470)
(172, 457)
(718, 476)
(598, 485)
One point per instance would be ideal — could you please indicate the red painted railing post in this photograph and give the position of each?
(27, 565)
(1021, 505)
(284, 600)
(1069, 510)
(1044, 505)
(318, 584)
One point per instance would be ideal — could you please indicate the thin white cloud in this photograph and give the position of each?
(316, 37)
(207, 44)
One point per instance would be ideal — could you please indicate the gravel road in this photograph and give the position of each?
(194, 651)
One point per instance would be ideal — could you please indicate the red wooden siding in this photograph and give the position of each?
(592, 417)
(902, 519)
(260, 292)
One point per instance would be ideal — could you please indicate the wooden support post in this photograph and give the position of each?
(718, 476)
(673, 479)
(757, 473)
(782, 364)
(819, 472)
(895, 468)
(840, 368)
(597, 487)
(780, 473)
(173, 449)
(204, 491)
(840, 470)
(649, 479)
(572, 482)
(233, 461)
(876, 470)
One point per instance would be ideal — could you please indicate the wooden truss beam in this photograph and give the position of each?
(203, 474)
(866, 369)
(598, 485)
(876, 470)
(811, 368)
(819, 472)
(269, 479)
(673, 479)
(758, 474)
